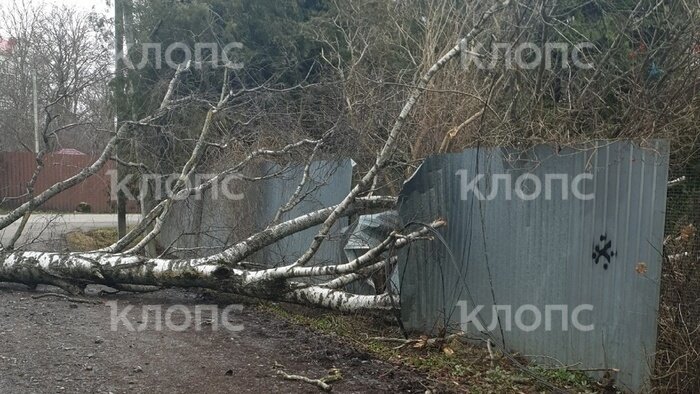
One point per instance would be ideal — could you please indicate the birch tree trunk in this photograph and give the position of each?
(72, 272)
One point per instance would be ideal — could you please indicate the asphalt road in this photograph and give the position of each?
(46, 231)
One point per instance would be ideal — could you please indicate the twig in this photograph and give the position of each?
(677, 181)
(614, 370)
(333, 376)
(488, 347)
(420, 342)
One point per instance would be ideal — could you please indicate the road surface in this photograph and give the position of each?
(46, 231)
(51, 345)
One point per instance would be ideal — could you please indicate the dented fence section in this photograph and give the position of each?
(552, 253)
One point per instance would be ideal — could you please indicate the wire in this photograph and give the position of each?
(486, 255)
(503, 350)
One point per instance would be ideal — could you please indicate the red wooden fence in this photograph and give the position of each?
(17, 168)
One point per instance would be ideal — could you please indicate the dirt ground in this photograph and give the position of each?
(52, 345)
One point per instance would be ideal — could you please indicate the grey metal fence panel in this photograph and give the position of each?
(509, 251)
(329, 183)
(200, 226)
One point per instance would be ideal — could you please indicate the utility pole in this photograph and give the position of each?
(35, 93)
(120, 104)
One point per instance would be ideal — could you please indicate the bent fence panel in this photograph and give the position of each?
(572, 272)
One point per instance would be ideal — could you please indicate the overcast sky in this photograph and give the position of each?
(85, 5)
(97, 5)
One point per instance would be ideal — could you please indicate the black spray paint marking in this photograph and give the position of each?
(603, 251)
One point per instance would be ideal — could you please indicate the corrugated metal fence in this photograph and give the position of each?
(590, 238)
(527, 256)
(17, 168)
(203, 225)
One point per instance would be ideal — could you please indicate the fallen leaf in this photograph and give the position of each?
(641, 268)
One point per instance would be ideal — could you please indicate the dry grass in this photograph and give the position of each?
(79, 241)
(678, 355)
(459, 365)
(678, 350)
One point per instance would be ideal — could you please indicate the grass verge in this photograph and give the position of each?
(85, 241)
(459, 365)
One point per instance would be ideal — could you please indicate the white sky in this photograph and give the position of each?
(85, 5)
(88, 5)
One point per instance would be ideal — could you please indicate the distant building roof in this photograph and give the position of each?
(70, 152)
(7, 46)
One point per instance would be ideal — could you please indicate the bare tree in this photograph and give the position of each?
(556, 72)
(67, 52)
(120, 265)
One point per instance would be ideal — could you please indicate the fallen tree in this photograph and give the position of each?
(74, 271)
(121, 267)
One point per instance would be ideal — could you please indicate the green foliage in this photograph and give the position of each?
(570, 379)
(275, 42)
(278, 51)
